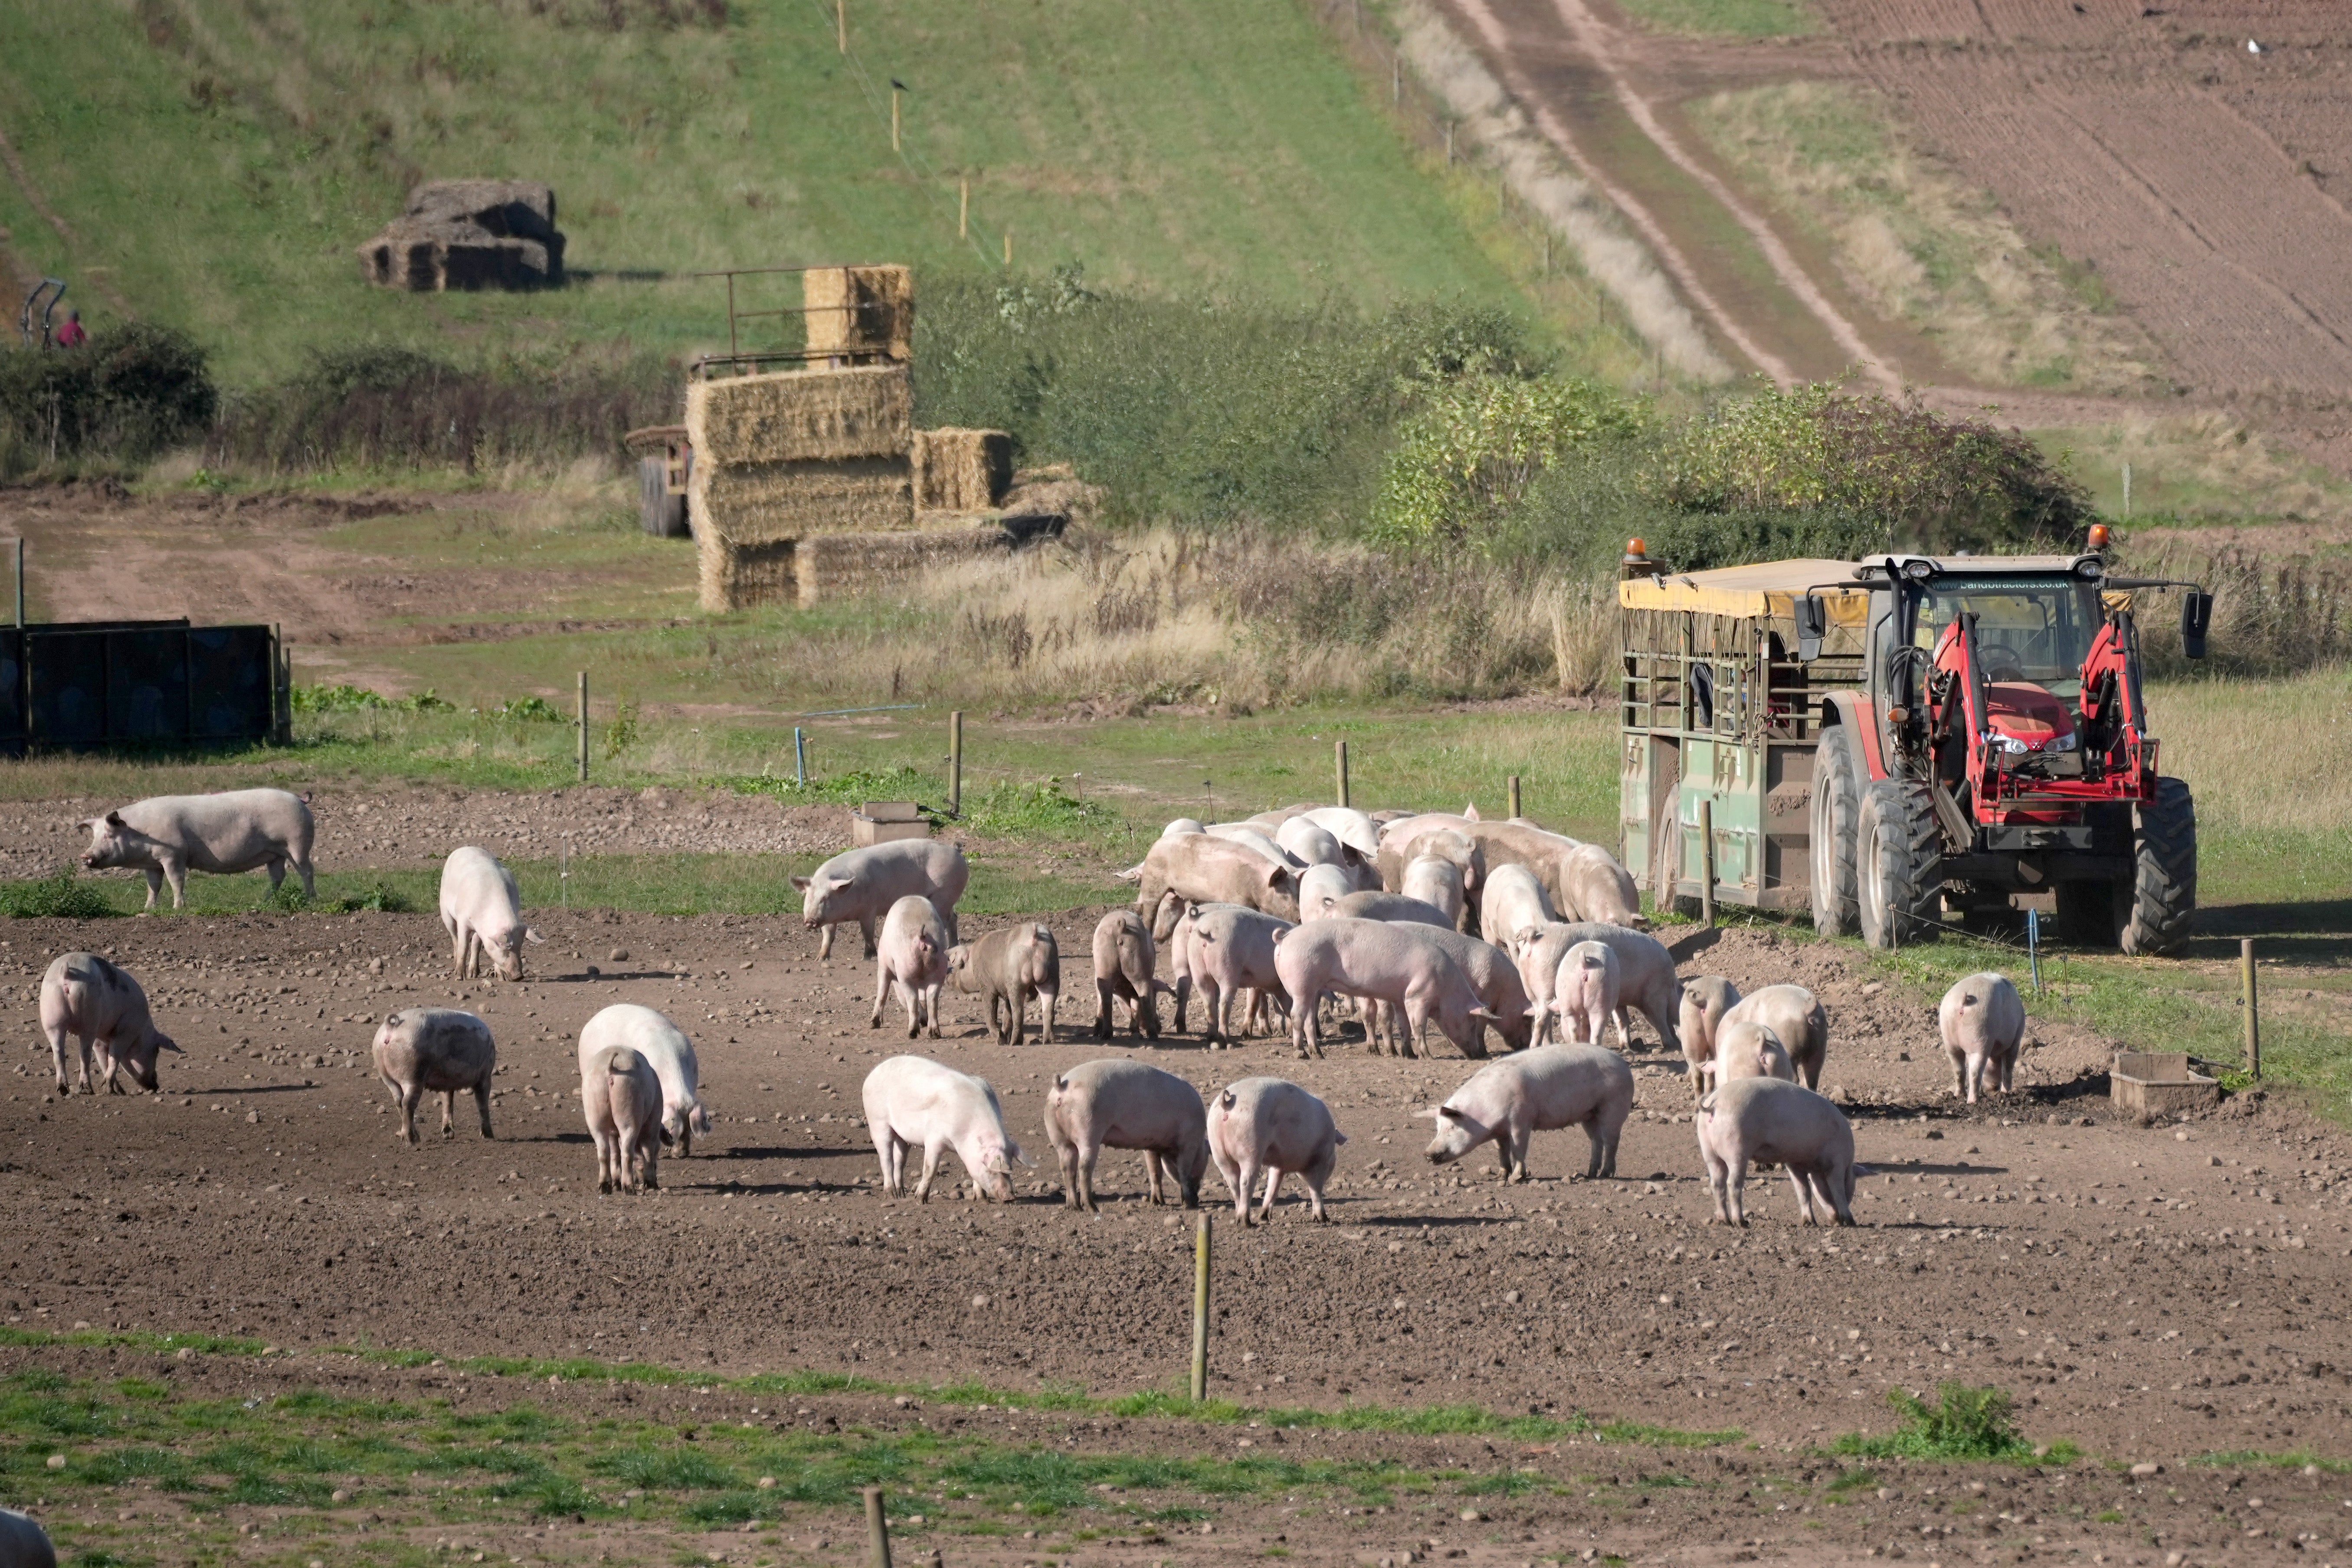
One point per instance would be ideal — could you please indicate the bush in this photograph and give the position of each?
(1465, 460)
(57, 896)
(359, 699)
(1964, 1423)
(129, 393)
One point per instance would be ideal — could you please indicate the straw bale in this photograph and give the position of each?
(860, 310)
(960, 470)
(738, 577)
(862, 411)
(848, 565)
(758, 504)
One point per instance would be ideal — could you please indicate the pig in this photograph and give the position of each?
(1124, 961)
(859, 887)
(913, 1103)
(1008, 967)
(1182, 826)
(1591, 885)
(1250, 837)
(1404, 843)
(1321, 886)
(1272, 1125)
(1983, 1022)
(1495, 981)
(1705, 999)
(1353, 829)
(1584, 992)
(1746, 1048)
(1385, 963)
(1513, 899)
(97, 1003)
(1535, 1091)
(671, 1056)
(1272, 820)
(1770, 1119)
(913, 961)
(1646, 982)
(1117, 1104)
(23, 1544)
(1200, 870)
(1437, 882)
(481, 910)
(1233, 950)
(170, 835)
(1310, 844)
(440, 1050)
(621, 1096)
(1392, 907)
(1793, 1014)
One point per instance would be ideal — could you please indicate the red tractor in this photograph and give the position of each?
(1952, 734)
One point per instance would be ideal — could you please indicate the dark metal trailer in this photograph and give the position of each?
(92, 685)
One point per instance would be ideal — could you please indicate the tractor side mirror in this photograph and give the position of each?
(2196, 617)
(1812, 625)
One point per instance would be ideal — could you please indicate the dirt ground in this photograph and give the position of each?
(2151, 1294)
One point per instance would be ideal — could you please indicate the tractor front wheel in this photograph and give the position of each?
(2164, 882)
(1899, 865)
(1837, 814)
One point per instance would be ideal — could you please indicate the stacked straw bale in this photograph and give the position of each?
(786, 458)
(846, 565)
(860, 310)
(962, 470)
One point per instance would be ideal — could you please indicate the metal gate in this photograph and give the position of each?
(119, 683)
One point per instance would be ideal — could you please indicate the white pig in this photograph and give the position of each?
(668, 1052)
(481, 910)
(24, 1544)
(1646, 982)
(1705, 999)
(1594, 886)
(1385, 962)
(1746, 1048)
(1513, 899)
(1390, 906)
(1797, 1016)
(1351, 828)
(1321, 886)
(1254, 839)
(1772, 1119)
(1584, 992)
(1182, 826)
(1437, 882)
(440, 1050)
(1119, 1104)
(1008, 967)
(1983, 1022)
(171, 834)
(1233, 950)
(913, 1103)
(1124, 960)
(859, 887)
(1271, 1124)
(912, 960)
(97, 1003)
(1308, 844)
(1511, 1100)
(621, 1096)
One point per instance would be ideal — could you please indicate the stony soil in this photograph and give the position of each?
(2152, 1294)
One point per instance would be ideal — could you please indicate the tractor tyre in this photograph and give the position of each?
(1835, 816)
(1899, 865)
(2164, 884)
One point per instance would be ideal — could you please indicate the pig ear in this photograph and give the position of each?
(166, 1042)
(1470, 813)
(1016, 1151)
(1483, 1016)
(114, 819)
(1447, 1110)
(531, 933)
(801, 883)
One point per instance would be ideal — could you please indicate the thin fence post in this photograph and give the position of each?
(955, 763)
(841, 25)
(1201, 1309)
(20, 585)
(1396, 80)
(2254, 1009)
(800, 758)
(878, 1529)
(963, 210)
(1513, 793)
(583, 726)
(1339, 767)
(563, 871)
(1706, 862)
(2033, 945)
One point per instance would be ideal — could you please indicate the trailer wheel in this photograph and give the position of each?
(660, 514)
(1835, 816)
(1899, 863)
(2164, 886)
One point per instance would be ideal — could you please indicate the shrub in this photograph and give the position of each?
(57, 896)
(1964, 1423)
(129, 393)
(1465, 460)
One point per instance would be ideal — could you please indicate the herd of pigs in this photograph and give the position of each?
(1283, 914)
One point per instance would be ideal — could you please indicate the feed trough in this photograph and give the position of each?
(2160, 1083)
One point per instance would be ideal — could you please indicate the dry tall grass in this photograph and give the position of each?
(1614, 259)
(1234, 621)
(2262, 755)
(1923, 245)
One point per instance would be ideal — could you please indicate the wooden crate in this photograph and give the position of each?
(881, 821)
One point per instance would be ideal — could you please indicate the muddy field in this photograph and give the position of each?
(2152, 1294)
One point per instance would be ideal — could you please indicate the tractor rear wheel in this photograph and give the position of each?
(1899, 862)
(2164, 884)
(1837, 814)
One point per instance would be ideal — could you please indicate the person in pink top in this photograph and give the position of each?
(73, 334)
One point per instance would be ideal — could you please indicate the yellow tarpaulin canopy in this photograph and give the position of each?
(1768, 589)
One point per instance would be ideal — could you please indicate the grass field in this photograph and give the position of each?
(215, 164)
(1723, 18)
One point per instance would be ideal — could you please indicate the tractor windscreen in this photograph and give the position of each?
(2027, 628)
